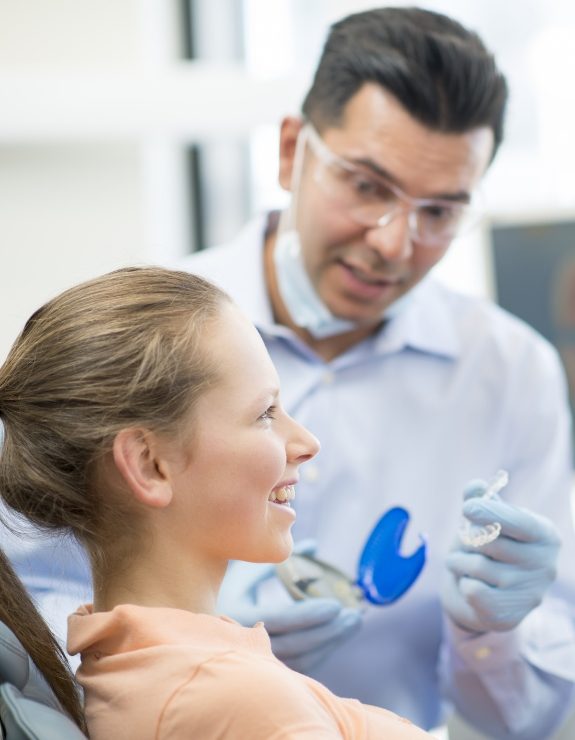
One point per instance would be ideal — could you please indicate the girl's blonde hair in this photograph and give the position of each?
(122, 350)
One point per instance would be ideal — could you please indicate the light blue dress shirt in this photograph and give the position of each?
(452, 388)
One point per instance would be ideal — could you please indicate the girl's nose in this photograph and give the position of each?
(303, 445)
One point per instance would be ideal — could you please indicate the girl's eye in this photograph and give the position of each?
(269, 413)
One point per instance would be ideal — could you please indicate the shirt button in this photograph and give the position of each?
(310, 473)
(482, 653)
(328, 377)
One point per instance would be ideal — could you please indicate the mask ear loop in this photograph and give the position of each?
(288, 216)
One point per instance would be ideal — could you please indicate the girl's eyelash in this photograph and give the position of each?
(269, 413)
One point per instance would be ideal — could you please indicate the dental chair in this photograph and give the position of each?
(28, 708)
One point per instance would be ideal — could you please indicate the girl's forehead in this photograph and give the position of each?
(238, 351)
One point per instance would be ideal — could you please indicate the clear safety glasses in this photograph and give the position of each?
(372, 201)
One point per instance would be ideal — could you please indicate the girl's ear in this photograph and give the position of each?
(290, 128)
(137, 459)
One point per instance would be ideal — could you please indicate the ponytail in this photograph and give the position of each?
(19, 614)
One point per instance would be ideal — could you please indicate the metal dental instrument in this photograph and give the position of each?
(307, 577)
(473, 535)
(383, 573)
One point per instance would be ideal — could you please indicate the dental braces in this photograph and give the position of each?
(473, 535)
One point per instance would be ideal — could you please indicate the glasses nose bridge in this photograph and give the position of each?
(395, 243)
(402, 203)
(399, 201)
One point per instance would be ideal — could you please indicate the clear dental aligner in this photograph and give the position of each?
(473, 535)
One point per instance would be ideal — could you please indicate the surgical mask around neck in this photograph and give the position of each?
(300, 298)
(298, 294)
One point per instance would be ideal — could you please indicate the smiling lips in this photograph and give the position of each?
(368, 279)
(282, 495)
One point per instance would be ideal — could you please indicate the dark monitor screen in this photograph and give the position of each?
(534, 275)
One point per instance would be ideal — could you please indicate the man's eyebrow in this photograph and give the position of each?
(461, 196)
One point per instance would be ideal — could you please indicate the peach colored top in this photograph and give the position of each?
(169, 674)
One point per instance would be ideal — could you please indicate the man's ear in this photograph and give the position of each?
(290, 128)
(135, 453)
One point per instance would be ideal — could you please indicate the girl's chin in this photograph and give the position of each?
(272, 555)
(282, 551)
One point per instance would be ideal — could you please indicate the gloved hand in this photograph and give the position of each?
(302, 633)
(492, 588)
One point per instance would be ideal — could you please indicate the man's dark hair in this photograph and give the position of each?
(438, 70)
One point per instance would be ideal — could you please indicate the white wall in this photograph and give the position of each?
(68, 211)
(38, 35)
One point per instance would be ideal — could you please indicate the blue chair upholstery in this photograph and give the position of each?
(28, 708)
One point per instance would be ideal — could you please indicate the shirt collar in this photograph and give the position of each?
(425, 324)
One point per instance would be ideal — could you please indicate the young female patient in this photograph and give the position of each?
(142, 412)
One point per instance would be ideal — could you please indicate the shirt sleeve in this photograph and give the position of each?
(496, 687)
(520, 684)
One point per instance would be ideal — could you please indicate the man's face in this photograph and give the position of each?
(358, 271)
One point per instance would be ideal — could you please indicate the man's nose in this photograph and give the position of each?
(391, 238)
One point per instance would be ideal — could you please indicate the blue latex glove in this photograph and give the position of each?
(494, 587)
(302, 633)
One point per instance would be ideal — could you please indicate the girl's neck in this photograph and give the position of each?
(178, 583)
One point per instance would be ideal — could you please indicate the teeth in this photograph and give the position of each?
(283, 495)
